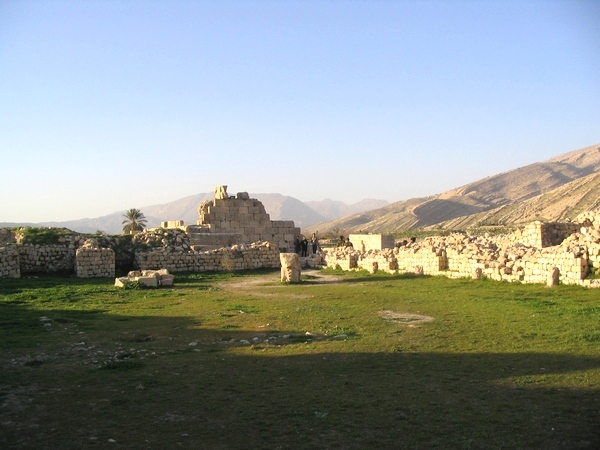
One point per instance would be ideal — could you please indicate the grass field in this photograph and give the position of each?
(339, 361)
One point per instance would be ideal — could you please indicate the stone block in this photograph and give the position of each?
(167, 280)
(148, 281)
(290, 267)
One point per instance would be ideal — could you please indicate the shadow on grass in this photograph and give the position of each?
(162, 392)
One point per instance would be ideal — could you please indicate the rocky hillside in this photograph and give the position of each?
(560, 204)
(332, 209)
(555, 189)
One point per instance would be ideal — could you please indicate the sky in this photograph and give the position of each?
(111, 105)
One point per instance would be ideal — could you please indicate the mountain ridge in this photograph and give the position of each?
(475, 202)
(556, 189)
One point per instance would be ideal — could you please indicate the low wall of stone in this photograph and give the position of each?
(545, 234)
(512, 258)
(238, 257)
(95, 262)
(99, 256)
(9, 262)
(46, 258)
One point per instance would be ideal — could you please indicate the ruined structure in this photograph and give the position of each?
(92, 261)
(550, 253)
(538, 253)
(227, 220)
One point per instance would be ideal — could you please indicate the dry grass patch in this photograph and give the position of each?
(407, 318)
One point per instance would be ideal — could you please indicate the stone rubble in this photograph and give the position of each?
(548, 253)
(147, 278)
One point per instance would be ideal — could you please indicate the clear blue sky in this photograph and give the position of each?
(110, 105)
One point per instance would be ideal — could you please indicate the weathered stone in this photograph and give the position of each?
(147, 281)
(221, 192)
(166, 280)
(553, 277)
(290, 267)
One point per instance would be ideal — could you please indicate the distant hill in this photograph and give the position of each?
(553, 190)
(332, 209)
(560, 204)
(279, 207)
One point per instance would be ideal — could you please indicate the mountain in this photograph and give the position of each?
(279, 207)
(556, 189)
(282, 207)
(553, 190)
(331, 209)
(560, 204)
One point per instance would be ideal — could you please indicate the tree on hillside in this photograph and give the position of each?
(134, 221)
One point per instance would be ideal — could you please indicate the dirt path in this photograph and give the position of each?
(266, 281)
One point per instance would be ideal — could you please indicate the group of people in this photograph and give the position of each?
(405, 243)
(301, 246)
(345, 243)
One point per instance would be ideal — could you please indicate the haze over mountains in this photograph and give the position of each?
(552, 190)
(279, 207)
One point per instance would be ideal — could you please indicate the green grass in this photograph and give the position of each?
(226, 361)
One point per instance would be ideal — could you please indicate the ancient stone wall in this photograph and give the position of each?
(95, 262)
(545, 234)
(9, 262)
(46, 258)
(502, 258)
(238, 257)
(100, 256)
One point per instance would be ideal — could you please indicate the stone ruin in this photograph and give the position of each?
(233, 233)
(228, 220)
(550, 253)
(236, 233)
(147, 278)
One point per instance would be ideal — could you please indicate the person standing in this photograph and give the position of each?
(297, 245)
(304, 244)
(315, 243)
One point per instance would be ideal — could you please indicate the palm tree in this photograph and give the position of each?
(134, 221)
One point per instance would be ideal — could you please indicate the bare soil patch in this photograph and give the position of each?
(407, 318)
(248, 283)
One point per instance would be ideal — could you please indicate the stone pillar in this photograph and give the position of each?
(290, 267)
(553, 277)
